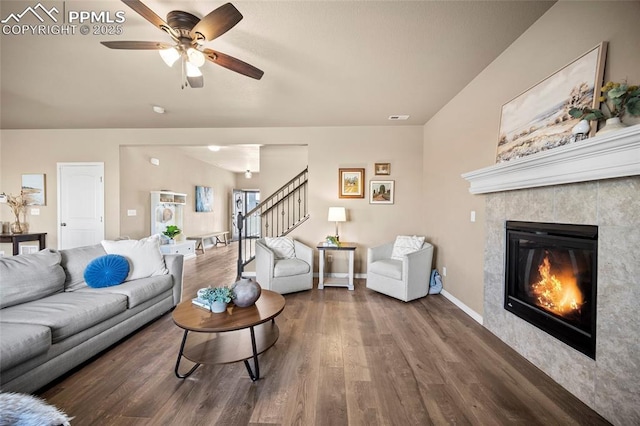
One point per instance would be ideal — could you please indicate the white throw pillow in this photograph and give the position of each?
(282, 247)
(406, 244)
(144, 256)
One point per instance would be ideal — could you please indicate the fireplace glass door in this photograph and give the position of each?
(551, 272)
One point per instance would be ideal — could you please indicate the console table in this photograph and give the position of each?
(336, 282)
(16, 239)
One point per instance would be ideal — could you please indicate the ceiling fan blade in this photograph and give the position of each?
(148, 14)
(195, 82)
(216, 23)
(233, 64)
(136, 45)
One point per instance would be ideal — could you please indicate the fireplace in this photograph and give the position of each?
(550, 279)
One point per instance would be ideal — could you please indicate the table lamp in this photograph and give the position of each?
(337, 214)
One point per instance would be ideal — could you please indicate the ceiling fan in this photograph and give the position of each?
(189, 33)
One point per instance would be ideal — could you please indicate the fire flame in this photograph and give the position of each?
(559, 295)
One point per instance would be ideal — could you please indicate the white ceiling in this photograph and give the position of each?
(326, 63)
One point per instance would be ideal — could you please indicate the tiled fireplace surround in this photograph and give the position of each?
(610, 384)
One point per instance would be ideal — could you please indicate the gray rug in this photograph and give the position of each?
(26, 410)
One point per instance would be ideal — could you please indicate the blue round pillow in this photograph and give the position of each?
(106, 271)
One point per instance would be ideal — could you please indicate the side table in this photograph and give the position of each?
(332, 281)
(16, 239)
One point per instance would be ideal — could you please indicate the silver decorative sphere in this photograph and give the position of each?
(247, 291)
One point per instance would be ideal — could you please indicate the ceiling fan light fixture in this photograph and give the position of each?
(192, 70)
(169, 56)
(195, 57)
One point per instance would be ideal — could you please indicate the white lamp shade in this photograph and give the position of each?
(192, 70)
(195, 57)
(337, 214)
(169, 56)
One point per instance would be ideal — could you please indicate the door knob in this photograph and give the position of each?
(63, 224)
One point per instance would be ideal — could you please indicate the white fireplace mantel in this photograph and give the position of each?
(611, 155)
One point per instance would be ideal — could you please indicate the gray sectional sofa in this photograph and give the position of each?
(51, 321)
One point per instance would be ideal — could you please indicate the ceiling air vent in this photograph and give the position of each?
(398, 117)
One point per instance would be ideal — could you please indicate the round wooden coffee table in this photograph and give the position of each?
(223, 338)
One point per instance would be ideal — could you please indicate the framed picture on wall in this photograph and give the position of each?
(381, 191)
(351, 183)
(382, 169)
(538, 119)
(33, 187)
(204, 199)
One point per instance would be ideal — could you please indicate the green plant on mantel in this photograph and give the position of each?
(172, 231)
(617, 98)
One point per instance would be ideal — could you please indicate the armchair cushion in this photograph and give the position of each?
(282, 247)
(289, 267)
(405, 244)
(387, 267)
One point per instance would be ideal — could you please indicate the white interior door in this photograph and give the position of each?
(80, 204)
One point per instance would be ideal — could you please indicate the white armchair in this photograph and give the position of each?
(400, 271)
(284, 265)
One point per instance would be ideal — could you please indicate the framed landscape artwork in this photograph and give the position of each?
(350, 183)
(538, 119)
(381, 191)
(33, 186)
(204, 199)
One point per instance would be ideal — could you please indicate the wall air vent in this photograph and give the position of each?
(398, 117)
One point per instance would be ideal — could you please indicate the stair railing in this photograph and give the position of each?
(277, 215)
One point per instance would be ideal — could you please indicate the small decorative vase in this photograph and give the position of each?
(218, 307)
(18, 227)
(612, 124)
(581, 130)
(172, 241)
(246, 291)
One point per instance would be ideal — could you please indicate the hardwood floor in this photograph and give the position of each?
(343, 358)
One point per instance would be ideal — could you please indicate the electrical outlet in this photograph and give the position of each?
(473, 215)
(131, 212)
(329, 258)
(444, 271)
(35, 212)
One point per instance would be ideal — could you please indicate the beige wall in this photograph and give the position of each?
(279, 164)
(464, 134)
(177, 173)
(328, 149)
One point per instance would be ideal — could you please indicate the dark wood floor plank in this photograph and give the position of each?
(343, 357)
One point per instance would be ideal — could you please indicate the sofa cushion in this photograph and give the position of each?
(406, 244)
(144, 256)
(390, 268)
(21, 342)
(106, 271)
(75, 261)
(66, 313)
(289, 267)
(138, 291)
(30, 277)
(282, 247)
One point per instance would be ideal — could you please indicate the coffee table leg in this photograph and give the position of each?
(254, 376)
(188, 373)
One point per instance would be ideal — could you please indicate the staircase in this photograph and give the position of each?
(279, 214)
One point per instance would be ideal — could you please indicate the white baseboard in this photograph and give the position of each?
(467, 310)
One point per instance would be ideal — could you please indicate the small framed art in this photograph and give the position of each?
(381, 191)
(350, 183)
(383, 169)
(204, 199)
(33, 186)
